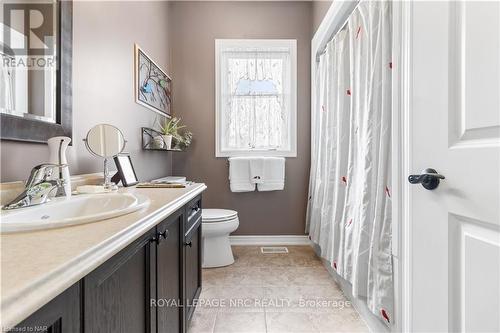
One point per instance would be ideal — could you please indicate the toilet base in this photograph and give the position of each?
(217, 251)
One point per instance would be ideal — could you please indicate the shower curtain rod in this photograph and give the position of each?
(338, 24)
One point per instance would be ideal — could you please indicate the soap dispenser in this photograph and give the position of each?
(57, 155)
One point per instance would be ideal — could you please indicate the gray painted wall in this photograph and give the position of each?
(104, 34)
(319, 9)
(195, 26)
(180, 37)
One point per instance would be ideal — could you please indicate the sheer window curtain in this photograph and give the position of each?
(255, 98)
(349, 208)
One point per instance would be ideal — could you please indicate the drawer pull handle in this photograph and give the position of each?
(193, 212)
(190, 244)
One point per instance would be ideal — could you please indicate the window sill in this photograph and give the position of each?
(270, 153)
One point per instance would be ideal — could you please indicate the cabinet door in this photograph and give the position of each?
(61, 315)
(192, 255)
(168, 279)
(117, 294)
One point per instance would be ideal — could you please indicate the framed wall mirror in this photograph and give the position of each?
(35, 77)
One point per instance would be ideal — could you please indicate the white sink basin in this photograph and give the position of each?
(79, 209)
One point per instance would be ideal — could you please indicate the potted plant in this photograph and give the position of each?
(169, 129)
(183, 140)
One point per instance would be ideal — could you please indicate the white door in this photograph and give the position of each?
(454, 127)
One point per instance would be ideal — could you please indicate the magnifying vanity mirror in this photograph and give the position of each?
(105, 141)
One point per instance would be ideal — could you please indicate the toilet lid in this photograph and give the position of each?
(217, 215)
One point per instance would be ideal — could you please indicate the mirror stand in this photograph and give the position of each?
(105, 141)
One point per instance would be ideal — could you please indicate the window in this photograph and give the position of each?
(256, 97)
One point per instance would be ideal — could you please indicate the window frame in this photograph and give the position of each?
(220, 46)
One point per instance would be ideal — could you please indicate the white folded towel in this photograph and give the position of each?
(239, 175)
(257, 170)
(274, 174)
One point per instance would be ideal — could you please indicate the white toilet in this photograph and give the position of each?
(217, 225)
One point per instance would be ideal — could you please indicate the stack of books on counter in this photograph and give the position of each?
(166, 182)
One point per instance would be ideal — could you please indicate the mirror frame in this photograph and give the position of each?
(31, 130)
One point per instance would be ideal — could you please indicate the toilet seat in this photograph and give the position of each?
(210, 215)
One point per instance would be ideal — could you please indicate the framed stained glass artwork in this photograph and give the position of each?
(153, 87)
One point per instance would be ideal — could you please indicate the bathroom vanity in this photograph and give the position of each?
(139, 272)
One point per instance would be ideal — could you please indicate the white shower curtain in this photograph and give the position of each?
(349, 208)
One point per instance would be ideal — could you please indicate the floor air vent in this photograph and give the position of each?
(273, 249)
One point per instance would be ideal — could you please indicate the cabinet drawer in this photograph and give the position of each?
(193, 213)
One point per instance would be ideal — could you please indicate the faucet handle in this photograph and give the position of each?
(41, 172)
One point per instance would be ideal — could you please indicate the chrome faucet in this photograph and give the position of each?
(41, 186)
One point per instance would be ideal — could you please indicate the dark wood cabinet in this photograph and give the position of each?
(192, 259)
(116, 295)
(168, 277)
(62, 314)
(150, 286)
(193, 272)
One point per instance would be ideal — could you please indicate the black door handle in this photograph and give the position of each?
(189, 244)
(429, 178)
(163, 234)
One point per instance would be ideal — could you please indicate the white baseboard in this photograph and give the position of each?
(270, 240)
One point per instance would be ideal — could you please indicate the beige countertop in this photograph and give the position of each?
(37, 266)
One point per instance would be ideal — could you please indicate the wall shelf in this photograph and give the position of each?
(148, 143)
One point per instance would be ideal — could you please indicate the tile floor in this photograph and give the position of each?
(273, 293)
